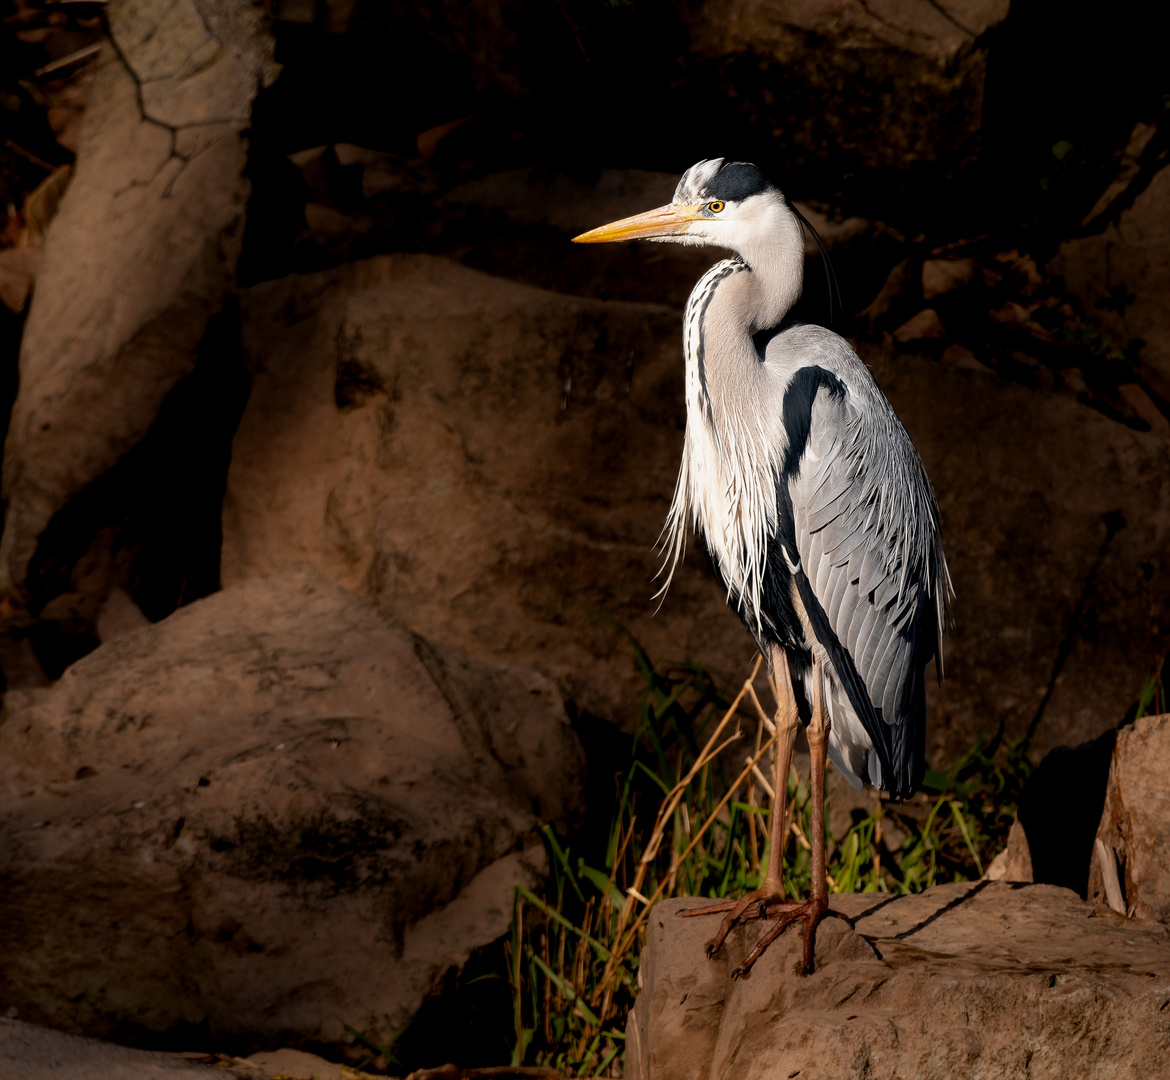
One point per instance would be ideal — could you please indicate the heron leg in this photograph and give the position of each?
(757, 903)
(769, 898)
(816, 907)
(787, 720)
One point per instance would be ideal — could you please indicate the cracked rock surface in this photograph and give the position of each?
(987, 979)
(139, 256)
(274, 813)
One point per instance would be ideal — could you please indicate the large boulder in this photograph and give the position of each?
(988, 980)
(939, 35)
(895, 83)
(1131, 863)
(274, 812)
(489, 461)
(139, 256)
(863, 84)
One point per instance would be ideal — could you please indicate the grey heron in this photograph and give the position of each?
(815, 508)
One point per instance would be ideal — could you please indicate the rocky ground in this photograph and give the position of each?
(985, 979)
(332, 474)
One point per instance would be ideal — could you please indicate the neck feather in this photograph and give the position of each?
(777, 264)
(726, 486)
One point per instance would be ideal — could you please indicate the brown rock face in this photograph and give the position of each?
(983, 980)
(139, 255)
(935, 34)
(1133, 850)
(490, 461)
(885, 84)
(896, 82)
(1122, 275)
(1014, 863)
(274, 812)
(28, 1052)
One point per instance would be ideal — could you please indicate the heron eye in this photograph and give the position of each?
(715, 207)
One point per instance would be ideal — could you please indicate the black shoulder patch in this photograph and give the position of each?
(798, 403)
(737, 180)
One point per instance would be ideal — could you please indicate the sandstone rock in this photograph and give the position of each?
(1143, 404)
(984, 980)
(1128, 171)
(1122, 274)
(119, 615)
(895, 286)
(28, 1052)
(42, 203)
(941, 276)
(962, 358)
(274, 813)
(18, 271)
(139, 255)
(896, 82)
(296, 1065)
(883, 83)
(926, 324)
(1014, 863)
(935, 34)
(491, 462)
(1134, 834)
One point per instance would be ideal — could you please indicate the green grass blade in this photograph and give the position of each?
(961, 821)
(602, 883)
(557, 917)
(567, 991)
(561, 858)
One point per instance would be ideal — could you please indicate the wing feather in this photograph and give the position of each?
(854, 538)
(838, 590)
(873, 569)
(870, 568)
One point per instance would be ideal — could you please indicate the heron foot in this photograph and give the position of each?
(760, 904)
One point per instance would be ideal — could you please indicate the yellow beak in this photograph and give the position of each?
(665, 221)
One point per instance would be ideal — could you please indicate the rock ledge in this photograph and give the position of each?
(985, 979)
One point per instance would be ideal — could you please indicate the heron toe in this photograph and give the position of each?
(760, 904)
(753, 905)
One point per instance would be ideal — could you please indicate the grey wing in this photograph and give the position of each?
(866, 531)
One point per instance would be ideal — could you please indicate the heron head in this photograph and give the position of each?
(718, 202)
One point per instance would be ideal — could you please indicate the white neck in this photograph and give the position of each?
(726, 485)
(774, 249)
